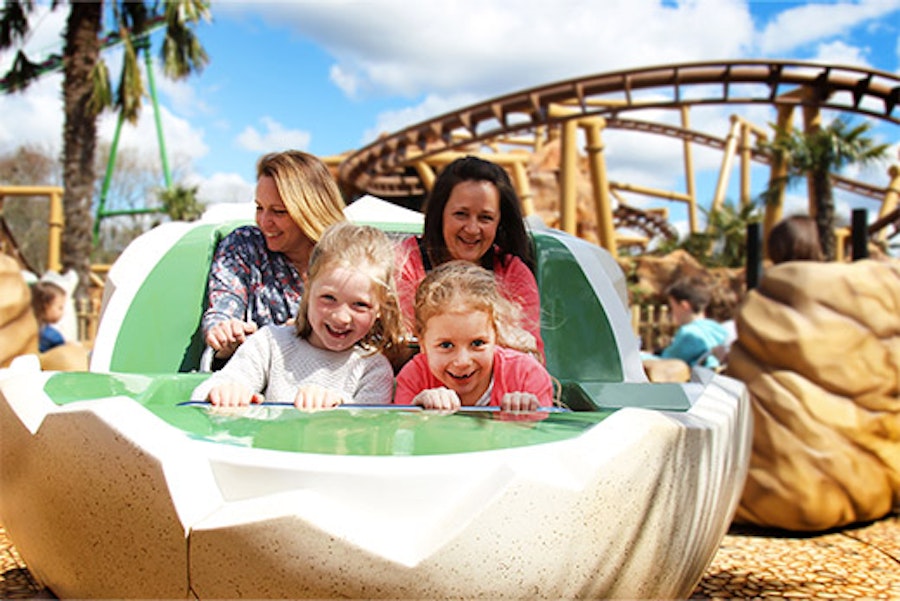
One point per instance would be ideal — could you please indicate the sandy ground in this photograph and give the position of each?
(859, 562)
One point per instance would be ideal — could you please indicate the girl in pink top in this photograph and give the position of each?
(473, 214)
(472, 351)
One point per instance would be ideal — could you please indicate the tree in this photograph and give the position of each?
(181, 203)
(724, 242)
(87, 90)
(817, 153)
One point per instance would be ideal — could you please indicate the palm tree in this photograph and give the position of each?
(817, 153)
(87, 89)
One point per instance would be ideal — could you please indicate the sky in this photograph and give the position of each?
(327, 76)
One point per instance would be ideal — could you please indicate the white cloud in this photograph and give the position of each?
(486, 47)
(34, 116)
(273, 137)
(840, 53)
(222, 188)
(346, 82)
(391, 121)
(179, 135)
(808, 23)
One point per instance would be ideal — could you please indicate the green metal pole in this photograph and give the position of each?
(145, 46)
(104, 190)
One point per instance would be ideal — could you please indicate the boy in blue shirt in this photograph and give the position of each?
(697, 335)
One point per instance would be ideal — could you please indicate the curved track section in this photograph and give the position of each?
(380, 167)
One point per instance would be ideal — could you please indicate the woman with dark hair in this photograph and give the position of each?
(473, 214)
(795, 238)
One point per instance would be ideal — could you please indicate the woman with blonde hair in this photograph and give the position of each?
(256, 276)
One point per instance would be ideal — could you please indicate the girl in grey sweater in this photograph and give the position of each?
(334, 353)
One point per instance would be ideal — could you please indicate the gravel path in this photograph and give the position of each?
(750, 564)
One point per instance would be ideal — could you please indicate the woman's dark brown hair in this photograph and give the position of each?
(512, 239)
(795, 238)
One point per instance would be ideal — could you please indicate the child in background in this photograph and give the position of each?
(472, 350)
(696, 336)
(333, 354)
(48, 300)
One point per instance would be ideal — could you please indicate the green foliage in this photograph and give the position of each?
(817, 153)
(131, 23)
(180, 203)
(724, 243)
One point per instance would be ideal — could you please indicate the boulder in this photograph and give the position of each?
(18, 326)
(819, 349)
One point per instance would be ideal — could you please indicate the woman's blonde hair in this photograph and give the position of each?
(368, 249)
(464, 286)
(307, 189)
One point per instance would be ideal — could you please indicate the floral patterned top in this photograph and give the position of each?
(247, 281)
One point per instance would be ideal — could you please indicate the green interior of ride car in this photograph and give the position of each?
(346, 431)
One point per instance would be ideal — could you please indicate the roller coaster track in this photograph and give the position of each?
(403, 185)
(651, 224)
(383, 167)
(842, 88)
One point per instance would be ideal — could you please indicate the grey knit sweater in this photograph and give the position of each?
(275, 361)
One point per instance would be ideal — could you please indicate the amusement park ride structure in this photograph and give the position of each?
(404, 164)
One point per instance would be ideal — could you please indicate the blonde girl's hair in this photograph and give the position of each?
(367, 249)
(307, 189)
(464, 286)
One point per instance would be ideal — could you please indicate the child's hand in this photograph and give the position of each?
(519, 401)
(312, 397)
(442, 399)
(231, 394)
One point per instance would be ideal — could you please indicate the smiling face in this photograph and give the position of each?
(342, 308)
(281, 232)
(460, 347)
(470, 220)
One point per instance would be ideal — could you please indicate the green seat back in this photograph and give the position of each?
(160, 333)
(579, 343)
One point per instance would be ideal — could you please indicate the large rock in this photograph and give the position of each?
(819, 349)
(18, 326)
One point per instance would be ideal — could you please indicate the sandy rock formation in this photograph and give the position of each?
(819, 349)
(18, 327)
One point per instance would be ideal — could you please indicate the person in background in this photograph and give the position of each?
(333, 354)
(472, 351)
(697, 336)
(794, 238)
(473, 214)
(256, 276)
(48, 300)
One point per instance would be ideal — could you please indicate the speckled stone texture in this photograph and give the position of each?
(105, 500)
(819, 349)
(860, 562)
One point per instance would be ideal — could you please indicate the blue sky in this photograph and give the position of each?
(327, 76)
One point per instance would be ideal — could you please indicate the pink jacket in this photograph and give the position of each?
(513, 372)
